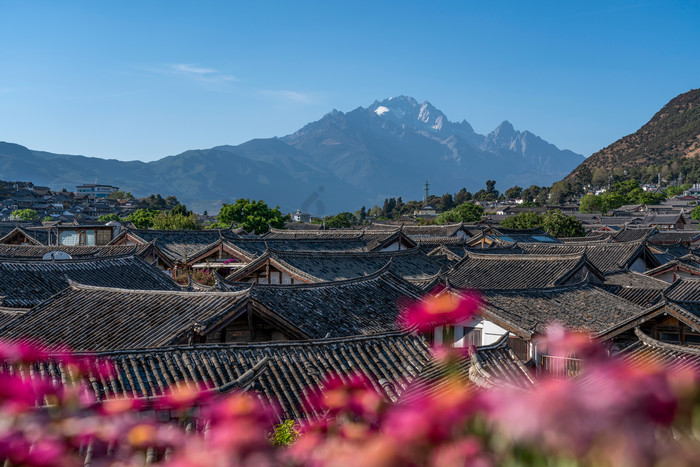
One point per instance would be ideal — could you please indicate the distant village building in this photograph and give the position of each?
(427, 210)
(98, 191)
(298, 216)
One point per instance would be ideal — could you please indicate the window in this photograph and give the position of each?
(692, 338)
(89, 237)
(69, 238)
(669, 337)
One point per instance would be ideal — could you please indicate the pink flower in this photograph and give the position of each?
(21, 351)
(182, 398)
(353, 394)
(440, 310)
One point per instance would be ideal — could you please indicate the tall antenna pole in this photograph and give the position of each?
(426, 191)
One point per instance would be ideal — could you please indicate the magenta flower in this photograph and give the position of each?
(440, 310)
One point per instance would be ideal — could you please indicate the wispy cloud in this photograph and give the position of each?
(290, 96)
(201, 74)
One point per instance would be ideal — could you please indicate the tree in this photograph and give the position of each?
(695, 214)
(180, 209)
(522, 221)
(676, 190)
(340, 221)
(611, 200)
(600, 177)
(542, 197)
(465, 212)
(48, 219)
(446, 202)
(251, 215)
(25, 215)
(108, 218)
(175, 221)
(462, 196)
(142, 218)
(590, 203)
(363, 214)
(561, 225)
(514, 192)
(491, 187)
(559, 192)
(584, 175)
(120, 195)
(530, 194)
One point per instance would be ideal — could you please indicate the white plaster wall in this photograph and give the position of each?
(667, 276)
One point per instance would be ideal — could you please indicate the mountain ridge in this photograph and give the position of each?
(672, 132)
(342, 161)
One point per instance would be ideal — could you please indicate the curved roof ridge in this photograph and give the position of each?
(358, 254)
(78, 286)
(249, 345)
(563, 287)
(82, 259)
(530, 256)
(383, 271)
(651, 342)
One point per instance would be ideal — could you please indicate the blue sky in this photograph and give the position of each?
(143, 80)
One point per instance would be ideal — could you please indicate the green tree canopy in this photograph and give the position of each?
(695, 214)
(465, 212)
(462, 196)
(120, 195)
(175, 221)
(108, 218)
(340, 221)
(522, 221)
(590, 204)
(142, 218)
(611, 200)
(25, 215)
(561, 225)
(514, 192)
(251, 215)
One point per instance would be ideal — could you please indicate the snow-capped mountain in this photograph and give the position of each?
(393, 145)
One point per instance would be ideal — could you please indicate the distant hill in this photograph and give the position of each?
(340, 162)
(672, 133)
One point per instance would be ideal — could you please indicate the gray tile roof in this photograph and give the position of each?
(419, 231)
(512, 271)
(608, 257)
(488, 366)
(283, 373)
(633, 234)
(651, 351)
(366, 305)
(38, 251)
(412, 264)
(26, 283)
(639, 289)
(582, 307)
(674, 237)
(684, 291)
(176, 244)
(523, 235)
(98, 318)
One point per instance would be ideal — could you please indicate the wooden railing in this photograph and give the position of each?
(559, 367)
